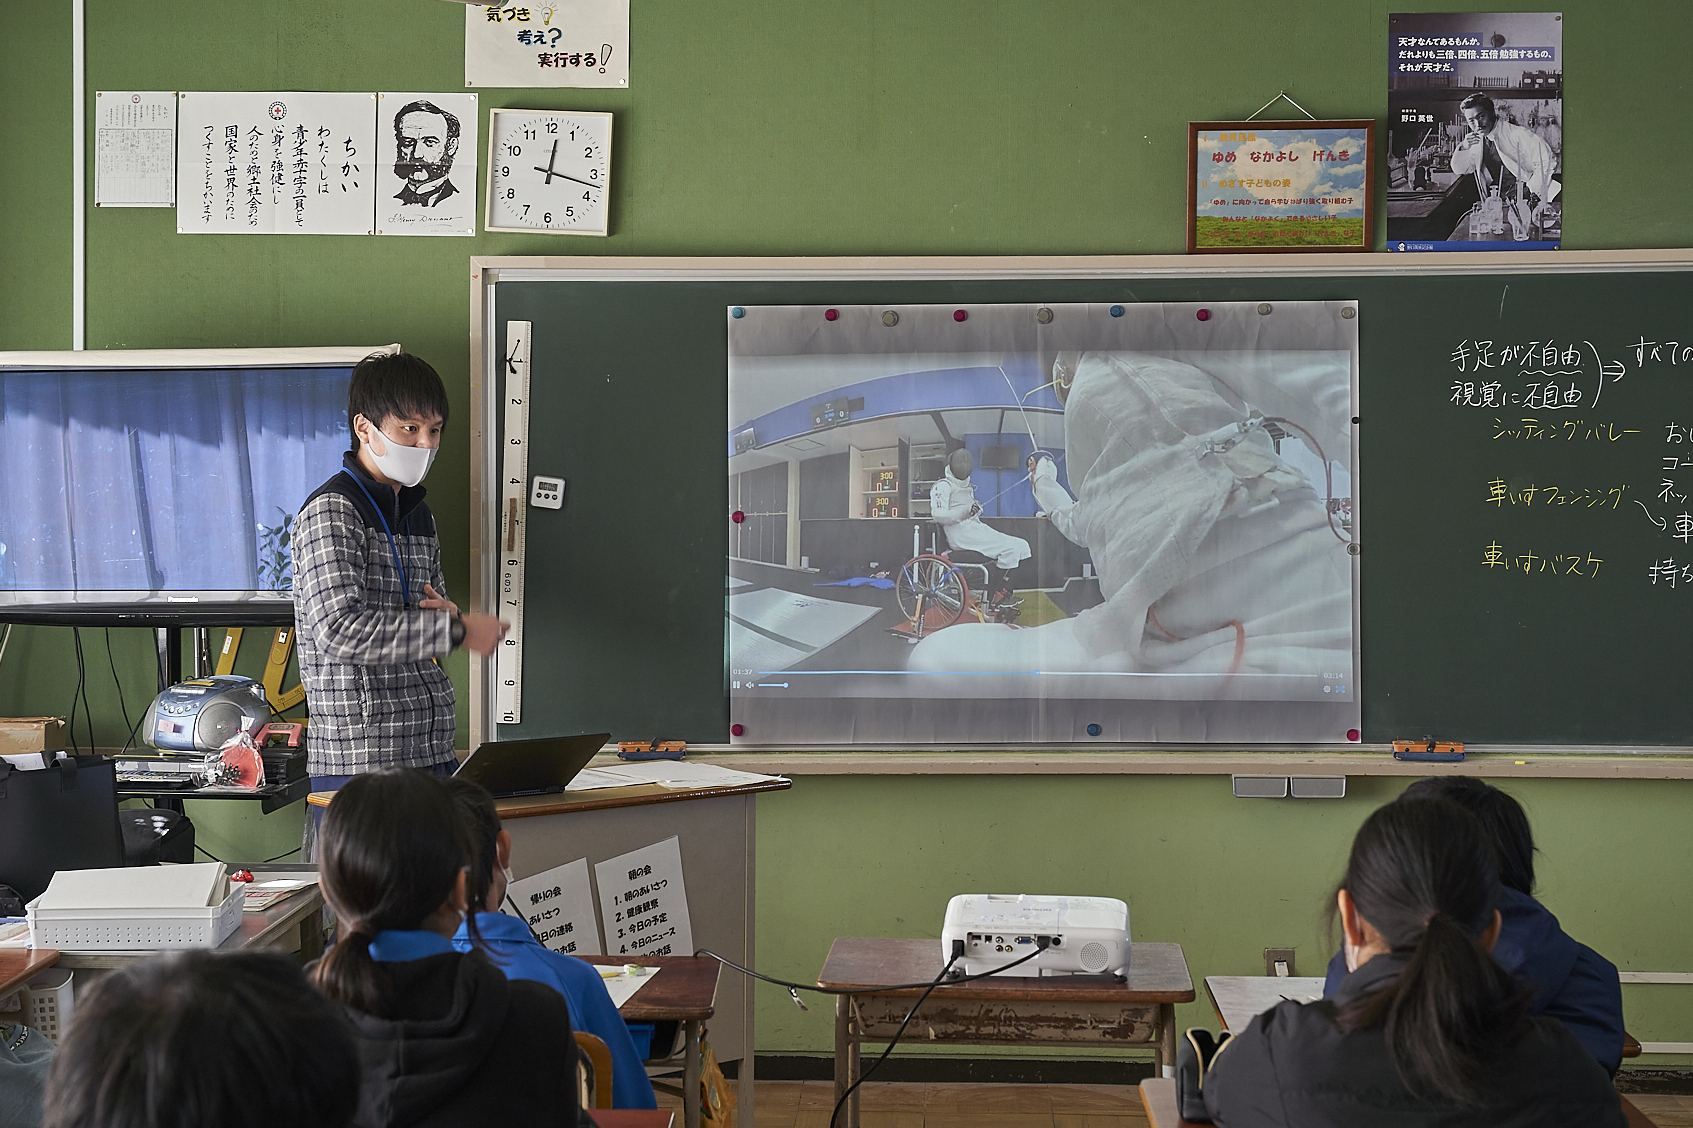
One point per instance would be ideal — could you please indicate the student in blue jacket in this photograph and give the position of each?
(516, 952)
(1571, 982)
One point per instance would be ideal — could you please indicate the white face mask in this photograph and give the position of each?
(403, 464)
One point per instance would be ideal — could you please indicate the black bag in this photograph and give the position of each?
(1194, 1055)
(62, 817)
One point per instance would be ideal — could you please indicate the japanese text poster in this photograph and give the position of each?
(558, 906)
(1259, 186)
(1475, 131)
(643, 903)
(567, 43)
(1011, 524)
(271, 163)
(135, 149)
(426, 164)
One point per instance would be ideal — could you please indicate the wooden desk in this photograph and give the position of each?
(1000, 1011)
(631, 1117)
(295, 920)
(718, 831)
(683, 993)
(19, 965)
(1236, 998)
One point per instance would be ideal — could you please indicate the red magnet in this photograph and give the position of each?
(831, 314)
(737, 516)
(960, 315)
(241, 875)
(737, 730)
(1352, 734)
(1203, 315)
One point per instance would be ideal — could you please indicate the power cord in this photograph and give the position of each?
(945, 977)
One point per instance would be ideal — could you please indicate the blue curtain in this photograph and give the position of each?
(152, 480)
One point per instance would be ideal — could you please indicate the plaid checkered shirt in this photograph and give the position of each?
(376, 697)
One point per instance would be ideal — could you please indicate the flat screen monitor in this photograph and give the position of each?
(162, 483)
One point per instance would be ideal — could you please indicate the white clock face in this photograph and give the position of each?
(548, 171)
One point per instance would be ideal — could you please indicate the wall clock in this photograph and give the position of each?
(548, 171)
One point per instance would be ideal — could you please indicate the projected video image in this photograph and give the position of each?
(1006, 524)
(158, 481)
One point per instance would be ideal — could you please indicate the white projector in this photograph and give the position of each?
(1084, 935)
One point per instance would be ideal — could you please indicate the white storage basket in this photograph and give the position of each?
(48, 1002)
(135, 929)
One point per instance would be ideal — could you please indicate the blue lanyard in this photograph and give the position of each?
(405, 588)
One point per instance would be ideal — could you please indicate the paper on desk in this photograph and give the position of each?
(596, 779)
(687, 773)
(622, 986)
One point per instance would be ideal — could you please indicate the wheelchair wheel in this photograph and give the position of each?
(932, 594)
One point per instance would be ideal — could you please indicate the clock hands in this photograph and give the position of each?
(550, 173)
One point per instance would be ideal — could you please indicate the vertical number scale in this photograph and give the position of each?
(514, 472)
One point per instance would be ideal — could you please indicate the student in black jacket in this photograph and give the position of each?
(444, 1037)
(1427, 1030)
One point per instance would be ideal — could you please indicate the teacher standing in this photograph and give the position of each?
(370, 608)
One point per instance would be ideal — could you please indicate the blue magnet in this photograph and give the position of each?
(1116, 311)
(1094, 730)
(737, 312)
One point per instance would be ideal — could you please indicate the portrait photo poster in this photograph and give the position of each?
(1475, 131)
(426, 152)
(1279, 186)
(1012, 524)
(565, 43)
(283, 162)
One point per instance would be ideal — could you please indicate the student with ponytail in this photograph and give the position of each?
(1427, 1029)
(444, 1038)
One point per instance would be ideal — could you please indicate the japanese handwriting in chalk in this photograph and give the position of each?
(1528, 562)
(1584, 497)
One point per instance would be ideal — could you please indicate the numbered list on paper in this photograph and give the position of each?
(558, 906)
(643, 902)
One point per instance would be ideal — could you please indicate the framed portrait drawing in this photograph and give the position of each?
(1279, 186)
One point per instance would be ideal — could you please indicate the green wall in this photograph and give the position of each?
(775, 127)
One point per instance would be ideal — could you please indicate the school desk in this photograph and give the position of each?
(1236, 998)
(1158, 1097)
(1003, 1010)
(717, 829)
(683, 992)
(19, 965)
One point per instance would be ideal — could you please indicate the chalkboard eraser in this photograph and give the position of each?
(1429, 750)
(652, 749)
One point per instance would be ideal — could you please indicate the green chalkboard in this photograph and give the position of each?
(1522, 550)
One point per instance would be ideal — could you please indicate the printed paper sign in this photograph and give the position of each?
(568, 43)
(426, 164)
(135, 149)
(643, 902)
(264, 164)
(559, 908)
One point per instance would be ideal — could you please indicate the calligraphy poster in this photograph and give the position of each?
(293, 162)
(1015, 524)
(426, 164)
(558, 907)
(567, 43)
(135, 148)
(1475, 131)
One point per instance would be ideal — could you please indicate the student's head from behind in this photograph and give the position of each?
(1502, 819)
(396, 398)
(1421, 885)
(490, 867)
(393, 856)
(199, 1040)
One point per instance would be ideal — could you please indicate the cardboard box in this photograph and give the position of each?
(22, 735)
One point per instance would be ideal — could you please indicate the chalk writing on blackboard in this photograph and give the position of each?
(1567, 430)
(1499, 492)
(1530, 563)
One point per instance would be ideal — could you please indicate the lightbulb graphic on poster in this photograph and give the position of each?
(580, 43)
(1475, 133)
(276, 163)
(1013, 523)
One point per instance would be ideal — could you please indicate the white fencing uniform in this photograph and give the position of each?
(1186, 544)
(950, 502)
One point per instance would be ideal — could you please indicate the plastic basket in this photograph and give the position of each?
(48, 1001)
(135, 929)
